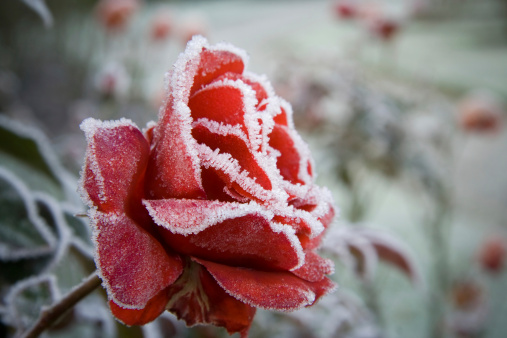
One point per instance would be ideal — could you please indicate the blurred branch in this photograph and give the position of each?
(50, 315)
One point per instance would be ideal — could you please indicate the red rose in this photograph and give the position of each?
(384, 28)
(492, 254)
(480, 112)
(345, 9)
(213, 212)
(161, 26)
(115, 14)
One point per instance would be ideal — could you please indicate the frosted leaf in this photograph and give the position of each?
(40, 7)
(364, 248)
(27, 152)
(394, 252)
(341, 314)
(92, 311)
(78, 226)
(23, 232)
(50, 210)
(25, 300)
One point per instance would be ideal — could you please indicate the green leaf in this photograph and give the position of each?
(40, 7)
(26, 299)
(23, 234)
(79, 227)
(27, 152)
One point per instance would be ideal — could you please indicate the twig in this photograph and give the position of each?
(49, 315)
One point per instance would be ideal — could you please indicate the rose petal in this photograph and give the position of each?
(236, 147)
(150, 312)
(134, 266)
(197, 298)
(215, 187)
(282, 118)
(116, 157)
(218, 103)
(173, 169)
(214, 63)
(315, 268)
(289, 162)
(231, 233)
(268, 290)
(260, 92)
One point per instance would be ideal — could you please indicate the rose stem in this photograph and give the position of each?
(49, 315)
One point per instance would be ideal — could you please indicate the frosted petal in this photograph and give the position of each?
(230, 102)
(134, 267)
(116, 157)
(215, 62)
(268, 290)
(219, 103)
(186, 217)
(315, 268)
(250, 80)
(174, 169)
(289, 161)
(232, 233)
(240, 180)
(234, 145)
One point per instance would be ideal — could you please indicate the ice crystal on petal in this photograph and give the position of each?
(99, 135)
(193, 216)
